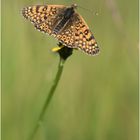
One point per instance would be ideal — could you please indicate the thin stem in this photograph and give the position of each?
(50, 95)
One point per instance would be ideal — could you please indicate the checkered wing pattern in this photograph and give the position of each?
(44, 17)
(75, 33)
(78, 35)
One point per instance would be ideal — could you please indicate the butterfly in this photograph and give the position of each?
(63, 23)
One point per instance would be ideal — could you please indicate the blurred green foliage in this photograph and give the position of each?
(97, 97)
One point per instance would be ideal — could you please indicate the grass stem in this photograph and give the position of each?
(50, 95)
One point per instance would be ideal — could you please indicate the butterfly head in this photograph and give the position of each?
(74, 6)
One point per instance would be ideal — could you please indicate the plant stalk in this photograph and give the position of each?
(50, 95)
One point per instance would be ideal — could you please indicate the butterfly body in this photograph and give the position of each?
(68, 13)
(65, 24)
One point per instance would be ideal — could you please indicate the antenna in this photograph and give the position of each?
(90, 11)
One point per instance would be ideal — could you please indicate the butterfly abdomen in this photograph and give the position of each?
(68, 13)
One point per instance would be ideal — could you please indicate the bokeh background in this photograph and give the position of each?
(96, 98)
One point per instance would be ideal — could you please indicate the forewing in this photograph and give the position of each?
(44, 17)
(76, 34)
(67, 35)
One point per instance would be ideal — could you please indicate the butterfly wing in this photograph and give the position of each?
(44, 17)
(76, 34)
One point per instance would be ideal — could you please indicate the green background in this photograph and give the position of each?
(96, 98)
